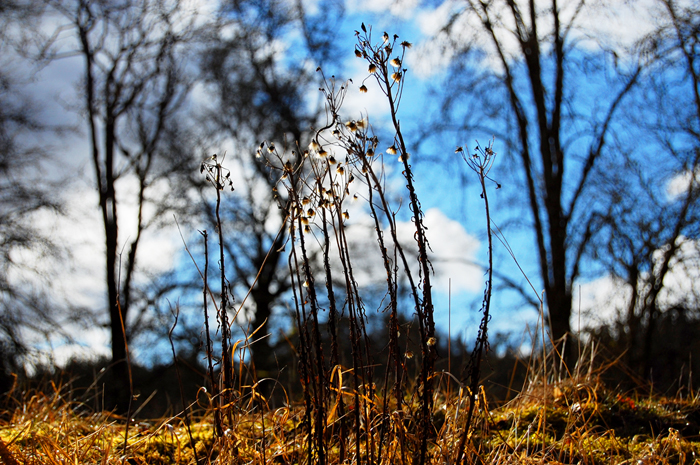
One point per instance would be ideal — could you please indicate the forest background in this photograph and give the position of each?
(108, 109)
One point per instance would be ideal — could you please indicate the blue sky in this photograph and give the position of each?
(454, 211)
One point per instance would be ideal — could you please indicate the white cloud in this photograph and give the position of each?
(678, 185)
(619, 22)
(682, 283)
(599, 302)
(400, 8)
(453, 252)
(373, 103)
(606, 299)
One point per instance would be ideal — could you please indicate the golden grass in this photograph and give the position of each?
(576, 420)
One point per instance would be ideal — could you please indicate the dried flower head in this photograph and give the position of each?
(391, 150)
(396, 62)
(396, 76)
(372, 68)
(406, 44)
(363, 89)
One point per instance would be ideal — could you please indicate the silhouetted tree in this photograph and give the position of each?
(264, 86)
(134, 83)
(648, 237)
(522, 79)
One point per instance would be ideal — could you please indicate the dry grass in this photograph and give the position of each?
(573, 420)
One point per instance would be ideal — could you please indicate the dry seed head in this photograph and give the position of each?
(409, 354)
(404, 157)
(310, 212)
(314, 145)
(306, 284)
(406, 44)
(385, 36)
(370, 152)
(332, 160)
(372, 68)
(307, 229)
(305, 201)
(346, 215)
(396, 62)
(431, 342)
(340, 170)
(391, 150)
(396, 77)
(351, 125)
(322, 153)
(358, 53)
(363, 89)
(271, 147)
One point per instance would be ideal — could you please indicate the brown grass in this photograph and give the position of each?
(572, 420)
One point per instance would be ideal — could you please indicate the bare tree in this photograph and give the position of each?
(261, 92)
(650, 229)
(25, 190)
(134, 82)
(528, 94)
